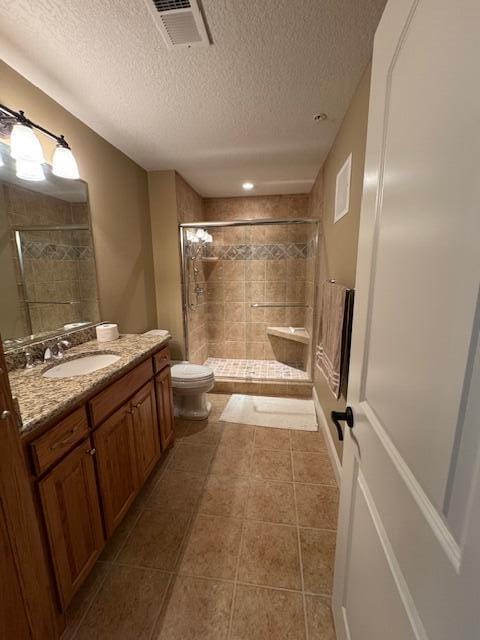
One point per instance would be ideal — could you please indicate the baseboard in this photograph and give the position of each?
(332, 451)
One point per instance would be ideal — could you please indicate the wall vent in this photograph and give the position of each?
(180, 22)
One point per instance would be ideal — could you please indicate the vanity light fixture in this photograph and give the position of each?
(27, 151)
(247, 186)
(28, 170)
(64, 164)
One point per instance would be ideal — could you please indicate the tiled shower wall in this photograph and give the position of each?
(59, 265)
(266, 263)
(252, 267)
(190, 209)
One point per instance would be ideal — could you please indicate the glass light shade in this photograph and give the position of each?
(64, 164)
(24, 144)
(27, 170)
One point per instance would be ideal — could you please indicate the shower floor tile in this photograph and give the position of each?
(264, 369)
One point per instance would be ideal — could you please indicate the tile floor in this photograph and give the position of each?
(232, 539)
(261, 369)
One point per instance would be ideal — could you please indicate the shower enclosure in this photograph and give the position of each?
(249, 297)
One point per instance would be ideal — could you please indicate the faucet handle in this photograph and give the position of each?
(47, 355)
(29, 359)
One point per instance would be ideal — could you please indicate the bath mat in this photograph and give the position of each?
(266, 411)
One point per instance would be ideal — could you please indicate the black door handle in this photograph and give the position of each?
(340, 416)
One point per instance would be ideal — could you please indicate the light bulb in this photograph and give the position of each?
(64, 164)
(26, 170)
(24, 144)
(209, 238)
(247, 186)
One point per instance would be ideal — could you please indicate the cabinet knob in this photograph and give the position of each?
(5, 415)
(92, 452)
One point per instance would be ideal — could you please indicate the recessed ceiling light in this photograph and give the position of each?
(247, 186)
(320, 116)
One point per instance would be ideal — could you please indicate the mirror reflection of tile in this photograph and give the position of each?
(50, 280)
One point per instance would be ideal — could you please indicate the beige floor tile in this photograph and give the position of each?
(201, 432)
(116, 542)
(312, 467)
(318, 555)
(156, 539)
(317, 505)
(224, 496)
(177, 490)
(195, 459)
(267, 614)
(231, 462)
(196, 610)
(212, 548)
(319, 618)
(84, 597)
(271, 465)
(269, 556)
(127, 605)
(237, 436)
(308, 441)
(271, 502)
(272, 438)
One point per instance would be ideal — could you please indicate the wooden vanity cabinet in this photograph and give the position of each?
(163, 382)
(96, 460)
(73, 521)
(117, 466)
(146, 430)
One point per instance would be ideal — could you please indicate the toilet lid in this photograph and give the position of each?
(190, 372)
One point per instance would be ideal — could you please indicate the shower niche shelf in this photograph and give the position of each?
(297, 334)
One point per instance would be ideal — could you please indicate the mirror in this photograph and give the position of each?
(48, 278)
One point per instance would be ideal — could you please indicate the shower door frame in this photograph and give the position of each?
(243, 223)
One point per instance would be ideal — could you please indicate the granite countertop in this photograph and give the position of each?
(41, 399)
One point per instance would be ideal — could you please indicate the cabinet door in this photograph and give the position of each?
(72, 516)
(163, 383)
(116, 465)
(147, 440)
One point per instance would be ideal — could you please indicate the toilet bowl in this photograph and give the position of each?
(190, 384)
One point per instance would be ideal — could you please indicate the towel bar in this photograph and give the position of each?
(278, 304)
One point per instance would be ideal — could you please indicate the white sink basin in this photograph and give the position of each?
(81, 366)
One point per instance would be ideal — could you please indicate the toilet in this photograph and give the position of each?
(190, 384)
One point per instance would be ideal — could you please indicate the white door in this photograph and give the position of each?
(408, 555)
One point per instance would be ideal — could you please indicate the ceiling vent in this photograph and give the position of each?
(180, 22)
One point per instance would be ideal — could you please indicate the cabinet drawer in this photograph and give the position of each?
(162, 359)
(50, 447)
(117, 393)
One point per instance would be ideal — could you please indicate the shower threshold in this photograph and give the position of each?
(247, 369)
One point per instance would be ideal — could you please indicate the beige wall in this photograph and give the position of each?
(166, 256)
(338, 245)
(118, 201)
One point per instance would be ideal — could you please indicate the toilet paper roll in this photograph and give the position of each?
(107, 332)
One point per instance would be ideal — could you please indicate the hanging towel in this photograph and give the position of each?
(329, 349)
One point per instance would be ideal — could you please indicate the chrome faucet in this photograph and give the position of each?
(57, 352)
(62, 346)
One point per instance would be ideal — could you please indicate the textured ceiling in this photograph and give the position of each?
(240, 109)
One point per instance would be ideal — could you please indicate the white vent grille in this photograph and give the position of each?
(170, 5)
(180, 22)
(342, 190)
